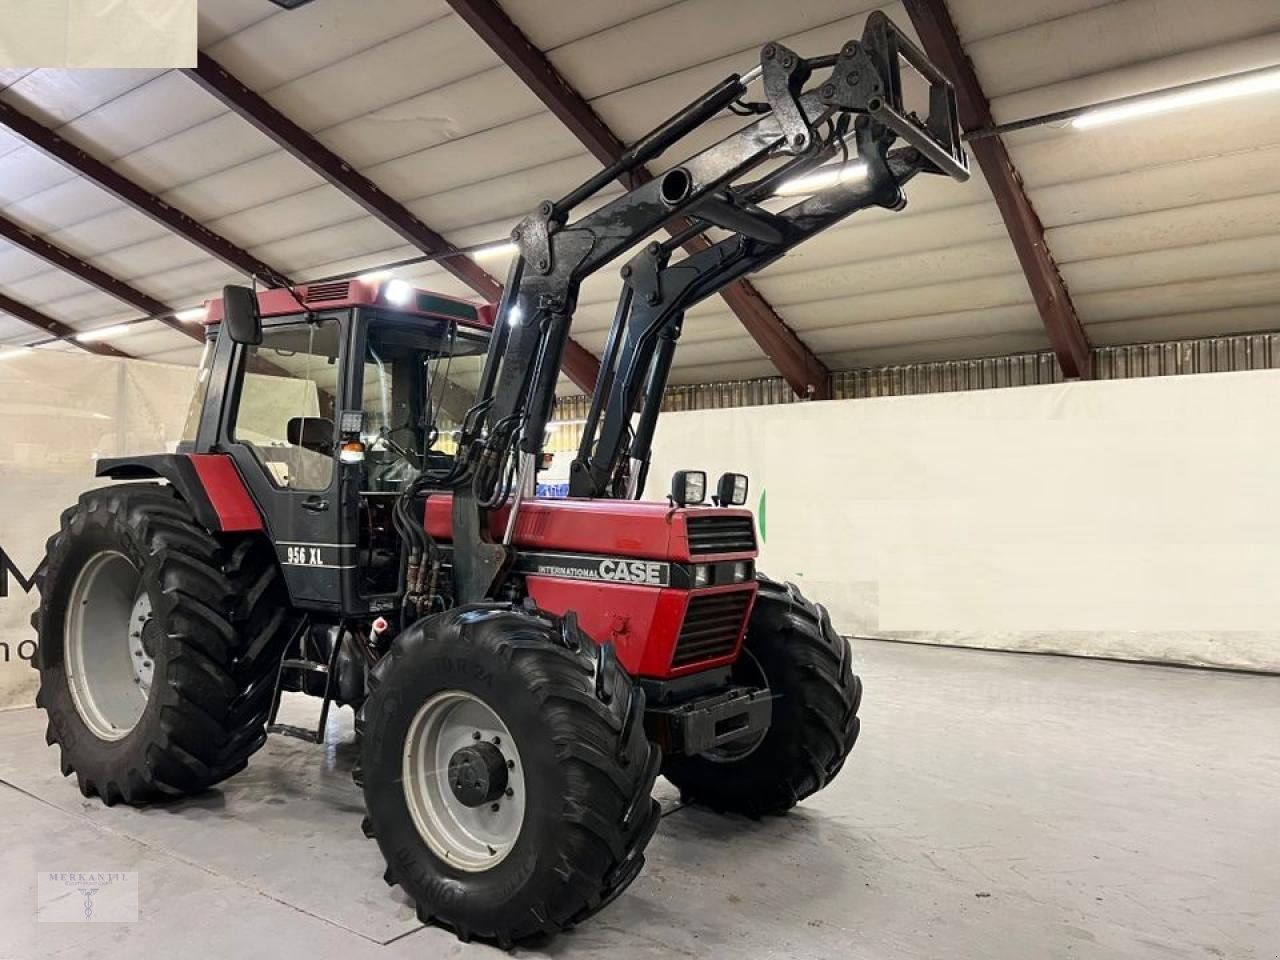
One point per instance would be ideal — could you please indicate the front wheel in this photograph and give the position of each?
(506, 772)
(792, 648)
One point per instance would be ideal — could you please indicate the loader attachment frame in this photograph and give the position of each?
(799, 123)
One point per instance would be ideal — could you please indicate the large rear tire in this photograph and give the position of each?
(791, 647)
(506, 772)
(157, 645)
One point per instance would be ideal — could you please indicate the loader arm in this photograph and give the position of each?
(801, 123)
(656, 294)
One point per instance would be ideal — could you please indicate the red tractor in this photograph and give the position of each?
(351, 515)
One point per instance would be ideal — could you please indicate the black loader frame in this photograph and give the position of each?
(504, 431)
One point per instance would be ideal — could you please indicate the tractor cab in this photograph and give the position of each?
(352, 390)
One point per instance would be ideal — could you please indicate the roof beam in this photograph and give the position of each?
(142, 200)
(94, 276)
(937, 31)
(58, 329)
(579, 364)
(807, 375)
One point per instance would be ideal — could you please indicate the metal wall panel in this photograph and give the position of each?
(1258, 351)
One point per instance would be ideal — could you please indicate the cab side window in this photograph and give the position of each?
(287, 403)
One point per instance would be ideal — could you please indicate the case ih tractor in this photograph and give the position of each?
(351, 515)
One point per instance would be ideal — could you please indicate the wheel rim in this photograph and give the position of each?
(736, 750)
(463, 781)
(109, 669)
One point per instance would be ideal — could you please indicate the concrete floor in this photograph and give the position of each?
(998, 806)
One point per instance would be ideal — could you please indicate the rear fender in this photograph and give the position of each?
(208, 482)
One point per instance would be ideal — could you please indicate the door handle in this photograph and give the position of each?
(315, 504)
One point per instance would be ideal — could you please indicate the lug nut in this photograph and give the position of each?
(495, 808)
(476, 735)
(497, 740)
(511, 764)
(509, 792)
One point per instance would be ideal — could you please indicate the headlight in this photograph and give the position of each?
(702, 575)
(739, 571)
(688, 487)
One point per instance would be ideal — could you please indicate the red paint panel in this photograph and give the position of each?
(630, 528)
(283, 301)
(627, 528)
(621, 613)
(642, 622)
(226, 492)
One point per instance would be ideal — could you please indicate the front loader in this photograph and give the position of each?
(351, 515)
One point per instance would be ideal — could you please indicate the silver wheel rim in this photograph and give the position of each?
(108, 670)
(736, 750)
(471, 838)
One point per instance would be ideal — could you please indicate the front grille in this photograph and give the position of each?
(709, 534)
(711, 626)
(333, 290)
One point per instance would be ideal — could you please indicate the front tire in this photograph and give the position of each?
(156, 646)
(528, 808)
(792, 647)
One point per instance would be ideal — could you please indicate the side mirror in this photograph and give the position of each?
(240, 316)
(313, 433)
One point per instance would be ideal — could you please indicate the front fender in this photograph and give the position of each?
(208, 482)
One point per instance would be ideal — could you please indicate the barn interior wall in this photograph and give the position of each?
(1128, 519)
(59, 412)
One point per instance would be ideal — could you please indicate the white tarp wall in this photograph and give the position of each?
(1134, 519)
(59, 412)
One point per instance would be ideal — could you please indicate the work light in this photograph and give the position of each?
(731, 491)
(689, 487)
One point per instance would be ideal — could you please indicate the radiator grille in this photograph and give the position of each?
(709, 534)
(711, 626)
(333, 290)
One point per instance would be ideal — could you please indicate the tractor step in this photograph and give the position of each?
(298, 733)
(304, 666)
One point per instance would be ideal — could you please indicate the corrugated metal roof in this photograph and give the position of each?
(1164, 227)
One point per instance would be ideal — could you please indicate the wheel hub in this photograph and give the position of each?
(464, 781)
(478, 774)
(109, 643)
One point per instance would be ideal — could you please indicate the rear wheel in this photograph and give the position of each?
(506, 772)
(156, 643)
(792, 648)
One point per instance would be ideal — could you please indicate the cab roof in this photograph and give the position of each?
(395, 295)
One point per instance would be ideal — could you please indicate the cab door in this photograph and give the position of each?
(282, 435)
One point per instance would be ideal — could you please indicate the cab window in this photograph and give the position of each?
(286, 408)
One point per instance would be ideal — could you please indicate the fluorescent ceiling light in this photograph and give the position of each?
(1227, 89)
(501, 249)
(821, 179)
(187, 316)
(515, 315)
(105, 333)
(8, 353)
(375, 276)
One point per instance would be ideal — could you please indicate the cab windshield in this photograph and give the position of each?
(418, 383)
